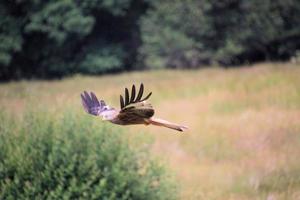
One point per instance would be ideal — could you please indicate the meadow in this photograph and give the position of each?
(243, 140)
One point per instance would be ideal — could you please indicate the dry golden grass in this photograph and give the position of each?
(244, 124)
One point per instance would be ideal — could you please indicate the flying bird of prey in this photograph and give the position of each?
(134, 109)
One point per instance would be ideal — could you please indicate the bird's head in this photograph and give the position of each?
(108, 113)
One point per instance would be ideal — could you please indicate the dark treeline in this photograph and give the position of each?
(54, 38)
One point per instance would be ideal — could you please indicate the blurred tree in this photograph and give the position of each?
(57, 28)
(193, 33)
(10, 39)
(174, 33)
(59, 37)
(55, 38)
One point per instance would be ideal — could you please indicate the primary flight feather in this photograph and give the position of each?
(134, 109)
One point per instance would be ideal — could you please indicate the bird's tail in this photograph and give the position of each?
(164, 123)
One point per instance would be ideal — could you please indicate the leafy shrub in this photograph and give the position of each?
(47, 157)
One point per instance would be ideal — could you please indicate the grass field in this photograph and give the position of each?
(244, 124)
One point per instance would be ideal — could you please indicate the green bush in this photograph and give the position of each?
(49, 157)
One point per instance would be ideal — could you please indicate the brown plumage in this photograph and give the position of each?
(134, 109)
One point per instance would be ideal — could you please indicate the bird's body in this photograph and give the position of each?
(134, 110)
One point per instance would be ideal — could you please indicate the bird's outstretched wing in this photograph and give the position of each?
(135, 108)
(133, 99)
(91, 104)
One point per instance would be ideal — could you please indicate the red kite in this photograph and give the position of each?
(134, 110)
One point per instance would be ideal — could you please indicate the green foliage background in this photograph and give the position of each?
(44, 156)
(55, 38)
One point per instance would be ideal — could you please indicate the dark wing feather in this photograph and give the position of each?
(132, 93)
(133, 99)
(147, 97)
(126, 96)
(122, 104)
(140, 94)
(91, 104)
